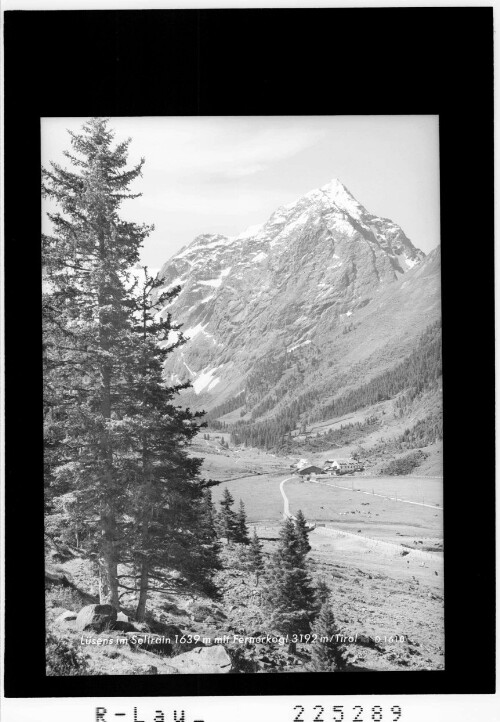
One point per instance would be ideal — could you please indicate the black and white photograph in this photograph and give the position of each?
(242, 395)
(248, 278)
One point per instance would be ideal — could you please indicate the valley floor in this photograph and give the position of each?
(381, 556)
(378, 544)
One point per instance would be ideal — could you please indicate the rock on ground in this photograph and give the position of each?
(66, 616)
(203, 660)
(95, 616)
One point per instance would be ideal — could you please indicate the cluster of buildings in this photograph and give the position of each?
(330, 467)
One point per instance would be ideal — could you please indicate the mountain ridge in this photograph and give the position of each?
(322, 280)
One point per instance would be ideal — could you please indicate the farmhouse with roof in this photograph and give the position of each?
(308, 470)
(342, 466)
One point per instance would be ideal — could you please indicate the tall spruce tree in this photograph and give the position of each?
(291, 594)
(114, 437)
(86, 328)
(166, 496)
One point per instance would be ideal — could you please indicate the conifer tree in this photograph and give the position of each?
(227, 517)
(209, 515)
(114, 437)
(86, 325)
(166, 495)
(322, 592)
(302, 532)
(291, 594)
(255, 559)
(241, 529)
(328, 652)
(210, 543)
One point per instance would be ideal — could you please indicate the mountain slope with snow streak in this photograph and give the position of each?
(337, 290)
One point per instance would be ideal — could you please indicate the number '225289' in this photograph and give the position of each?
(340, 713)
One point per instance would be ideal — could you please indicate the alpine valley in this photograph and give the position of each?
(318, 329)
(312, 340)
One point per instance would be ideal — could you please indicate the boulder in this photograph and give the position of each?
(95, 616)
(203, 660)
(57, 569)
(66, 616)
(144, 669)
(56, 577)
(171, 608)
(120, 626)
(121, 617)
(168, 630)
(366, 641)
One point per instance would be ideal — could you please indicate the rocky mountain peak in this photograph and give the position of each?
(292, 281)
(334, 195)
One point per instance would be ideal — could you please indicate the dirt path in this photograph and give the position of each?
(286, 503)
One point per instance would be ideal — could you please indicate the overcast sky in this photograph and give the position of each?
(223, 174)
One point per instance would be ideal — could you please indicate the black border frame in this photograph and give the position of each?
(263, 62)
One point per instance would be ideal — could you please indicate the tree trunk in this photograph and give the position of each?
(143, 591)
(144, 564)
(292, 648)
(108, 563)
(108, 566)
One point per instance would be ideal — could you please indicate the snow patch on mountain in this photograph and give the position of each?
(176, 282)
(411, 262)
(194, 331)
(205, 380)
(207, 298)
(298, 345)
(249, 232)
(214, 282)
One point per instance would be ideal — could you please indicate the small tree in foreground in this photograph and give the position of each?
(322, 592)
(302, 531)
(328, 653)
(291, 594)
(241, 529)
(255, 560)
(227, 517)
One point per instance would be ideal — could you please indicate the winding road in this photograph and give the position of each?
(286, 503)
